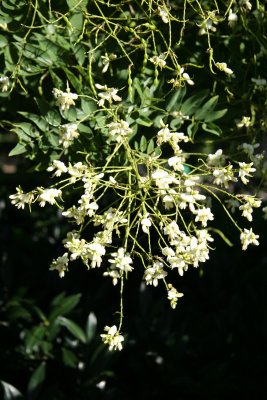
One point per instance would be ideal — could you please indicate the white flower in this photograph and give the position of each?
(208, 26)
(64, 99)
(60, 264)
(164, 134)
(224, 176)
(245, 122)
(203, 215)
(158, 61)
(118, 130)
(245, 170)
(186, 77)
(112, 338)
(108, 94)
(96, 251)
(168, 199)
(223, 67)
(232, 18)
(177, 163)
(246, 4)
(68, 133)
(146, 223)
(247, 208)
(247, 237)
(154, 273)
(106, 61)
(163, 179)
(4, 83)
(173, 295)
(121, 261)
(163, 15)
(217, 159)
(20, 198)
(59, 168)
(172, 230)
(48, 196)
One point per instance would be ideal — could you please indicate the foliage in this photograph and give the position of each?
(150, 116)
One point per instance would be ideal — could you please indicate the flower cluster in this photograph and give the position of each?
(160, 220)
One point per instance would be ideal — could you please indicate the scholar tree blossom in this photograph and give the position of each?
(107, 94)
(248, 237)
(21, 198)
(113, 338)
(64, 99)
(48, 196)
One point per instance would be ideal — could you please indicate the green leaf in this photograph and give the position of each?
(214, 115)
(175, 100)
(206, 108)
(76, 22)
(27, 128)
(69, 358)
(3, 41)
(36, 380)
(144, 121)
(10, 392)
(190, 105)
(212, 128)
(73, 80)
(34, 338)
(62, 305)
(91, 326)
(37, 119)
(80, 53)
(176, 123)
(18, 149)
(73, 328)
(70, 114)
(77, 3)
(192, 129)
(53, 118)
(88, 106)
(150, 147)
(143, 144)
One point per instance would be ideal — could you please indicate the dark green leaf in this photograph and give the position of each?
(144, 121)
(73, 328)
(212, 128)
(53, 118)
(37, 119)
(150, 147)
(62, 305)
(69, 358)
(88, 106)
(190, 105)
(175, 100)
(206, 108)
(192, 129)
(214, 115)
(36, 380)
(143, 144)
(34, 338)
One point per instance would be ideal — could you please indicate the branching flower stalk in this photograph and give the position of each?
(144, 195)
(166, 205)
